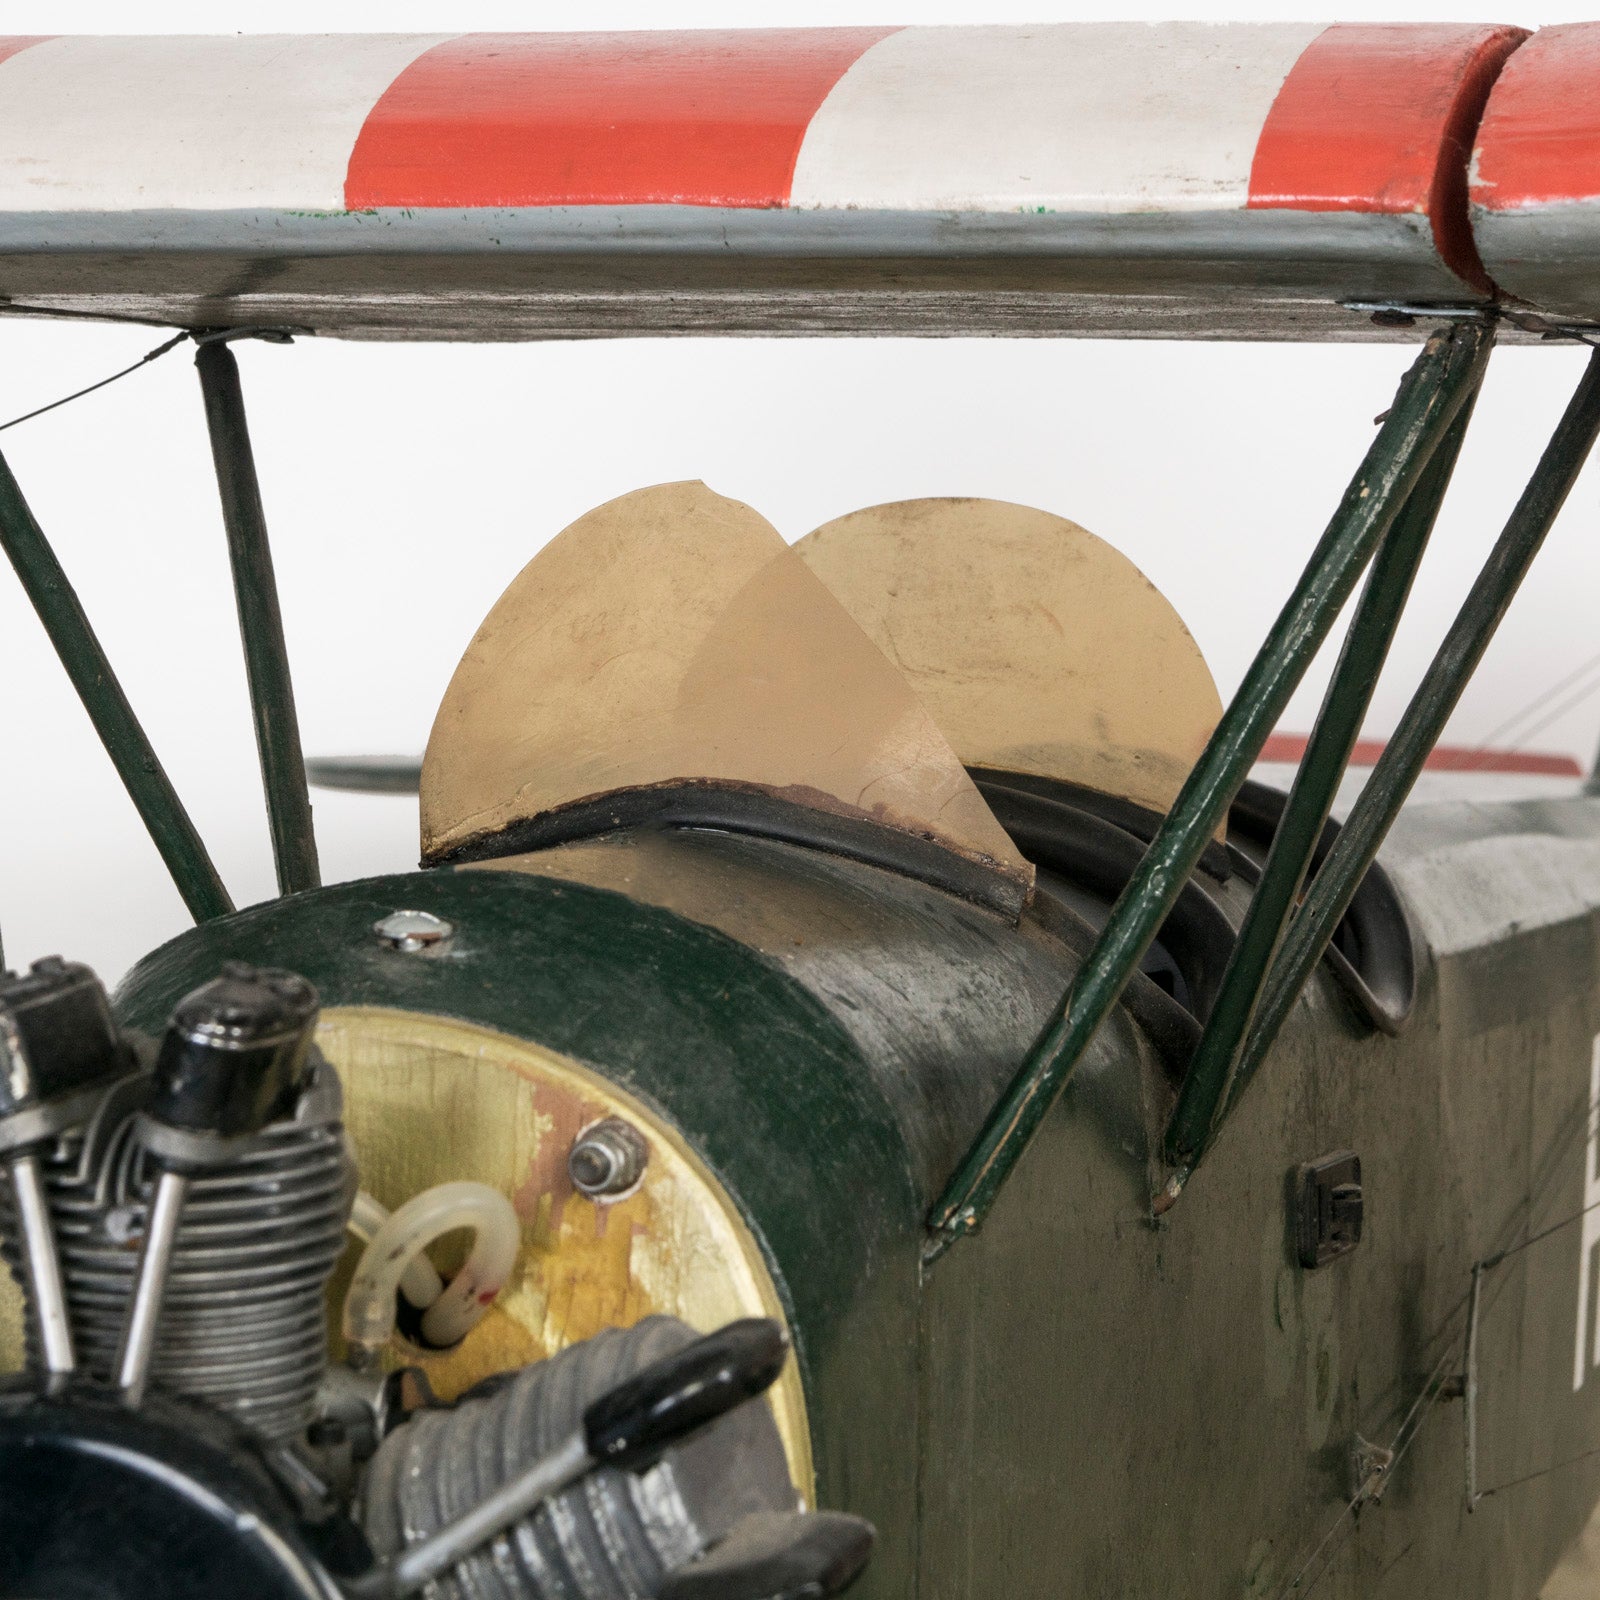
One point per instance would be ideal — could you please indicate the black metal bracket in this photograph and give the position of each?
(1329, 1209)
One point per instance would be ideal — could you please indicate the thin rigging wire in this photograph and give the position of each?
(1294, 1583)
(66, 399)
(1485, 747)
(1580, 336)
(1398, 1445)
(1493, 1261)
(1570, 704)
(1543, 1472)
(1591, 1124)
(1344, 1524)
(1535, 704)
(201, 336)
(1490, 1262)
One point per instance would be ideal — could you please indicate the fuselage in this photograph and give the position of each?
(1080, 1398)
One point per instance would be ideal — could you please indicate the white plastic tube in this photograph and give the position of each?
(399, 1241)
(420, 1283)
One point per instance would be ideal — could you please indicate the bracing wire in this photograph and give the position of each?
(1587, 337)
(200, 336)
(1488, 1264)
(1320, 1561)
(1571, 703)
(1543, 1472)
(1401, 1441)
(1503, 729)
(77, 394)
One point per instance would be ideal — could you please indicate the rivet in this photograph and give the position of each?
(412, 931)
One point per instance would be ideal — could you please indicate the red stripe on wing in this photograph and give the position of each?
(1540, 139)
(13, 43)
(1380, 117)
(1442, 758)
(712, 119)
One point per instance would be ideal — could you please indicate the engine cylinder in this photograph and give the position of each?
(615, 1535)
(243, 1324)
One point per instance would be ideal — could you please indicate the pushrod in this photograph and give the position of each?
(1430, 708)
(1430, 396)
(80, 653)
(1327, 755)
(255, 589)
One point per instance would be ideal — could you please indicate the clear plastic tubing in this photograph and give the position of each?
(398, 1243)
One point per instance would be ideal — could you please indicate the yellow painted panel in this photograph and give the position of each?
(428, 1100)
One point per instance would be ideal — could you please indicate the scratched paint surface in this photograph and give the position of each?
(1128, 174)
(1539, 142)
(1535, 173)
(1088, 117)
(1077, 117)
(1380, 117)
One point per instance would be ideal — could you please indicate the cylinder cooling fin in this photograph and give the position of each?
(617, 1533)
(173, 1217)
(244, 1324)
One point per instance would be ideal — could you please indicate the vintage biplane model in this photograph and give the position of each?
(875, 949)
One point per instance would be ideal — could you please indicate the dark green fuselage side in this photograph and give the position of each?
(1078, 1401)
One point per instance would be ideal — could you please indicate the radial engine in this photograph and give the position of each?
(175, 1212)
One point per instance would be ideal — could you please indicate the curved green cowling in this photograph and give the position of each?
(750, 1066)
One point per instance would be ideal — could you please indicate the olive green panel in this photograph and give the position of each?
(746, 1062)
(1120, 1408)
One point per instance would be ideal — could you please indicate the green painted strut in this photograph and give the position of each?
(1396, 771)
(283, 772)
(1430, 396)
(1327, 755)
(79, 651)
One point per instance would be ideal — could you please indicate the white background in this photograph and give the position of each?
(407, 484)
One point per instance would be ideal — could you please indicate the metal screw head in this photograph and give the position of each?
(412, 930)
(607, 1159)
(124, 1224)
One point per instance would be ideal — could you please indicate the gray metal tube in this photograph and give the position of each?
(144, 1311)
(46, 1288)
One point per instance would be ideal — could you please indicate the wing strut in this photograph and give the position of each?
(1327, 754)
(80, 653)
(266, 658)
(1431, 397)
(1430, 708)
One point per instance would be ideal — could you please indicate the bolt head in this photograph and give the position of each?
(412, 931)
(592, 1167)
(607, 1159)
